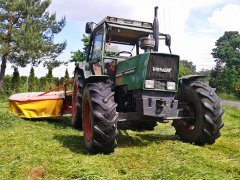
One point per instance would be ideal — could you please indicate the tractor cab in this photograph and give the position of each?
(114, 40)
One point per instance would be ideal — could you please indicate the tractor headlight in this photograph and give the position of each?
(149, 84)
(171, 85)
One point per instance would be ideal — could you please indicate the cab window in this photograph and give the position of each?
(97, 45)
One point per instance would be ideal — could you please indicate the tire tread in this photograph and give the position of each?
(105, 118)
(211, 117)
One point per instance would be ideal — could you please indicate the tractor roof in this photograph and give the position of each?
(126, 30)
(127, 23)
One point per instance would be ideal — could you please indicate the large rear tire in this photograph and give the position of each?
(200, 101)
(76, 119)
(99, 118)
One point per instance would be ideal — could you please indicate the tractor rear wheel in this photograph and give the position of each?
(199, 102)
(99, 118)
(76, 119)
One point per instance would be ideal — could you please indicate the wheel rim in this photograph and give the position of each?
(87, 121)
(74, 99)
(189, 124)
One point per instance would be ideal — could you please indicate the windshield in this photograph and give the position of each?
(111, 49)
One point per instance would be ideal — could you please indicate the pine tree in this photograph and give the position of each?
(27, 34)
(7, 86)
(50, 84)
(42, 84)
(66, 74)
(15, 80)
(49, 74)
(32, 81)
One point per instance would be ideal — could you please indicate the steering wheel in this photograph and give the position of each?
(126, 52)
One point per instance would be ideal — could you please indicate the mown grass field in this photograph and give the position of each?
(51, 149)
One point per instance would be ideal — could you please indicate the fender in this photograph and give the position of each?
(189, 78)
(92, 78)
(96, 78)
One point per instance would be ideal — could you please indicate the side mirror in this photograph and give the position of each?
(89, 28)
(168, 40)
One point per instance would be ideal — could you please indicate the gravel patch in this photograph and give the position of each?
(231, 103)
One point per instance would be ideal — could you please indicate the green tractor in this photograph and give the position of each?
(125, 82)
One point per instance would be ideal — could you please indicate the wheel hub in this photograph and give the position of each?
(188, 111)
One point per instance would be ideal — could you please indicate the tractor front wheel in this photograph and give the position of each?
(99, 118)
(199, 102)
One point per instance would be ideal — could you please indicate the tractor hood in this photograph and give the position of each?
(158, 69)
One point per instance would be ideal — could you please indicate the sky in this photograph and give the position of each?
(194, 25)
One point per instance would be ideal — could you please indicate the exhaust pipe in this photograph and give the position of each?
(156, 29)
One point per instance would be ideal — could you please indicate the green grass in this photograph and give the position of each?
(3, 106)
(229, 97)
(51, 149)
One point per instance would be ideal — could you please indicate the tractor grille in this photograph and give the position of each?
(163, 67)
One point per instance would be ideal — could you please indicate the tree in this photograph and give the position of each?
(42, 84)
(225, 76)
(24, 83)
(226, 50)
(230, 79)
(78, 56)
(66, 74)
(7, 86)
(51, 81)
(183, 71)
(32, 81)
(189, 65)
(186, 68)
(15, 80)
(206, 73)
(49, 75)
(27, 32)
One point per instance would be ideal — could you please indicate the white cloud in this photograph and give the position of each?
(90, 10)
(226, 18)
(193, 43)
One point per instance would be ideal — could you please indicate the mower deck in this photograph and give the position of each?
(39, 105)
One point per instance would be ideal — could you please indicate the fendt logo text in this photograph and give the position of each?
(162, 70)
